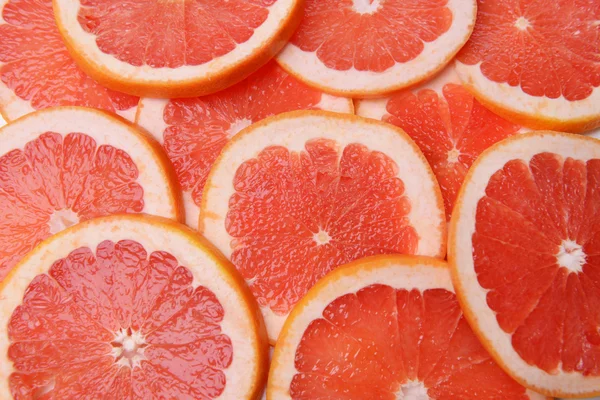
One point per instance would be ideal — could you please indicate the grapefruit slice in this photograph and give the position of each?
(537, 62)
(193, 131)
(524, 253)
(36, 70)
(59, 166)
(385, 327)
(175, 49)
(298, 194)
(129, 307)
(359, 48)
(449, 125)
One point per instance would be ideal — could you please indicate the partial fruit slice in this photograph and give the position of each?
(447, 123)
(129, 307)
(385, 327)
(175, 48)
(359, 48)
(36, 70)
(193, 131)
(59, 166)
(537, 62)
(524, 249)
(296, 195)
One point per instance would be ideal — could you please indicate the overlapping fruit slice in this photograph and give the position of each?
(450, 126)
(59, 166)
(129, 307)
(193, 131)
(296, 195)
(36, 70)
(524, 249)
(175, 48)
(537, 62)
(387, 327)
(362, 48)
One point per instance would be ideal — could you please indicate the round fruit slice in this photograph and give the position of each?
(524, 250)
(537, 62)
(447, 123)
(296, 195)
(129, 307)
(193, 131)
(385, 327)
(36, 70)
(360, 48)
(175, 49)
(59, 166)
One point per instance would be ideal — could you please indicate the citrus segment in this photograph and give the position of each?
(524, 242)
(60, 166)
(364, 47)
(175, 49)
(296, 195)
(36, 70)
(449, 125)
(193, 131)
(537, 62)
(387, 327)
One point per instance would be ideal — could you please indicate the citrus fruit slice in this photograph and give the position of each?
(537, 62)
(129, 307)
(524, 253)
(385, 327)
(359, 48)
(175, 49)
(193, 131)
(36, 70)
(449, 125)
(298, 194)
(59, 166)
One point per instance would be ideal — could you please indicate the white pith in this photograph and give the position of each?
(412, 391)
(292, 132)
(105, 130)
(366, 6)
(62, 219)
(128, 348)
(433, 57)
(322, 237)
(522, 147)
(238, 321)
(571, 256)
(238, 125)
(522, 24)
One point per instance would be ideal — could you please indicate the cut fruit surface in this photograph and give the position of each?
(386, 327)
(193, 131)
(36, 70)
(360, 48)
(175, 48)
(524, 253)
(537, 62)
(59, 166)
(129, 307)
(296, 195)
(449, 125)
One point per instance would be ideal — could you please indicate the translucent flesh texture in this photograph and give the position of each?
(547, 48)
(395, 32)
(53, 174)
(374, 343)
(451, 128)
(171, 34)
(38, 67)
(297, 215)
(61, 334)
(528, 212)
(198, 128)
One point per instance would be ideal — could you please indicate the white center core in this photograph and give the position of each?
(571, 256)
(238, 125)
(522, 23)
(61, 220)
(453, 155)
(412, 391)
(128, 348)
(322, 237)
(366, 6)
